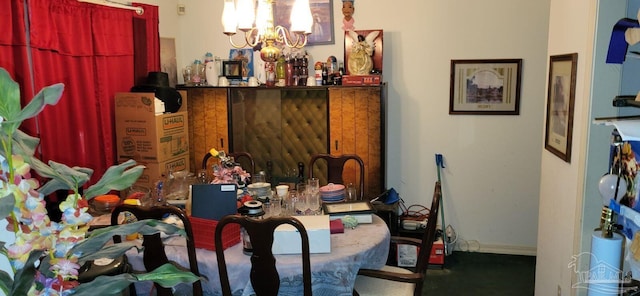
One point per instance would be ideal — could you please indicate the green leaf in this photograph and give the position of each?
(49, 95)
(63, 177)
(6, 205)
(24, 143)
(10, 101)
(105, 285)
(25, 276)
(117, 177)
(109, 251)
(6, 282)
(168, 275)
(99, 237)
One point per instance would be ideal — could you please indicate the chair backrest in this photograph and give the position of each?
(243, 158)
(335, 168)
(264, 276)
(154, 255)
(430, 231)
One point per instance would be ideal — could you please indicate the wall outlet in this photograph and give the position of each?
(182, 9)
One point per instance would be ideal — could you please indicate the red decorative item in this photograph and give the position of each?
(204, 231)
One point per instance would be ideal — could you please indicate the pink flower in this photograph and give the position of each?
(64, 267)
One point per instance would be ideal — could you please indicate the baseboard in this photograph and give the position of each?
(474, 246)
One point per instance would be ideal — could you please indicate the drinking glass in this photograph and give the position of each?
(313, 184)
(313, 202)
(275, 206)
(258, 178)
(350, 192)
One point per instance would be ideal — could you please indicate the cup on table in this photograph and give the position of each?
(258, 178)
(253, 81)
(223, 81)
(311, 81)
(313, 184)
(350, 194)
(275, 206)
(282, 190)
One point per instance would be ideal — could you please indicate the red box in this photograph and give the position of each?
(361, 79)
(409, 257)
(437, 253)
(204, 231)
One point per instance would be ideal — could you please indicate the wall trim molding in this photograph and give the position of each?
(475, 246)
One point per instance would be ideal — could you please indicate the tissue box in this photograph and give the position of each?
(286, 240)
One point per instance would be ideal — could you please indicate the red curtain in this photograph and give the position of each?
(13, 46)
(147, 42)
(89, 48)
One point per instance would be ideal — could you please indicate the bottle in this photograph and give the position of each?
(270, 72)
(303, 73)
(337, 80)
(289, 72)
(325, 75)
(281, 71)
(197, 72)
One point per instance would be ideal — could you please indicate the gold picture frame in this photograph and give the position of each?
(560, 105)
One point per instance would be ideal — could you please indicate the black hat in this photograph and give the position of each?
(158, 83)
(157, 79)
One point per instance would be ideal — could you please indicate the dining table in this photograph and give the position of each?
(333, 273)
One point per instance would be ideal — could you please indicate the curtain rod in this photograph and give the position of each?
(139, 10)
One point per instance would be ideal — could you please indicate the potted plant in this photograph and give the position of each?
(45, 256)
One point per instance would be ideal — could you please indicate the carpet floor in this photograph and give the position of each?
(471, 273)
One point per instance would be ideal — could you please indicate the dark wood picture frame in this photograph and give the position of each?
(560, 105)
(322, 14)
(485, 87)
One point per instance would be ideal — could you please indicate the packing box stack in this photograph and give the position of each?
(158, 140)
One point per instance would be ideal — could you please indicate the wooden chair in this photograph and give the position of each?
(335, 167)
(243, 158)
(392, 280)
(154, 255)
(264, 275)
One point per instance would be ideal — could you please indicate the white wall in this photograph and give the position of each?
(492, 175)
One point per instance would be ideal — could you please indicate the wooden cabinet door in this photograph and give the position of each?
(355, 127)
(208, 123)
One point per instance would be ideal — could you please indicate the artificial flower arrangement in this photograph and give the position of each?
(228, 171)
(46, 256)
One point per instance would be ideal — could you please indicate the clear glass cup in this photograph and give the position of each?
(313, 202)
(350, 193)
(275, 206)
(313, 184)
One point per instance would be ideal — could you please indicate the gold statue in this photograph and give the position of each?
(360, 61)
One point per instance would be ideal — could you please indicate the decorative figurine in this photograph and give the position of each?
(347, 11)
(360, 61)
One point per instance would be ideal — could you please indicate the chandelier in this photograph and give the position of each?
(258, 26)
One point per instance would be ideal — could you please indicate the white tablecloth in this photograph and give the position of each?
(333, 274)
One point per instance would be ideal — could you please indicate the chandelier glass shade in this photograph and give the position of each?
(259, 28)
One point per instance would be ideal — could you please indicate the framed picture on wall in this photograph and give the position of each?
(560, 104)
(485, 87)
(322, 14)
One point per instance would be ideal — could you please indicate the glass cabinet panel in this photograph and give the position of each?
(279, 127)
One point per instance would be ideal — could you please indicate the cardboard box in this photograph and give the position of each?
(361, 80)
(144, 136)
(154, 171)
(286, 240)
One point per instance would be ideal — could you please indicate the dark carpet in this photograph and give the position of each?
(471, 273)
